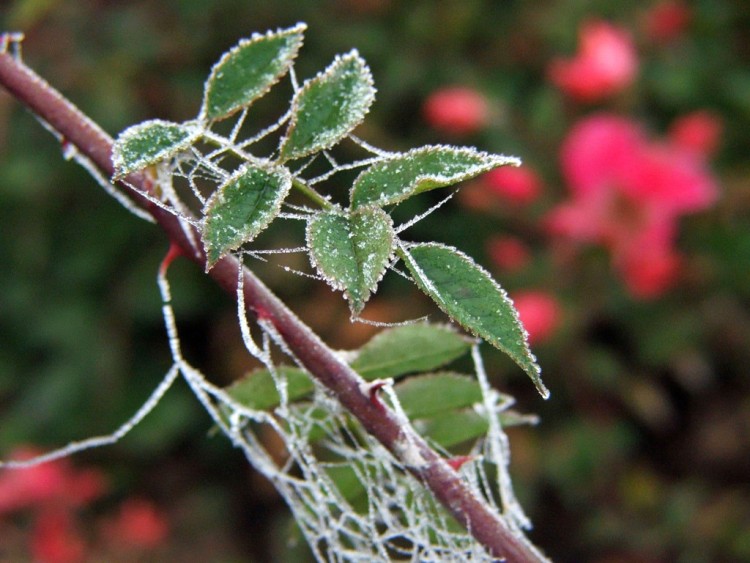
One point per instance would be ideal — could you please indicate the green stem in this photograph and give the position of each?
(297, 183)
(300, 186)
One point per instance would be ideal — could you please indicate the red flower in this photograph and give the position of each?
(456, 110)
(666, 20)
(139, 524)
(627, 194)
(55, 540)
(508, 253)
(540, 314)
(55, 482)
(516, 184)
(23, 488)
(699, 132)
(605, 64)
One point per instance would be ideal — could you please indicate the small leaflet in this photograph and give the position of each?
(258, 391)
(396, 351)
(426, 168)
(328, 107)
(469, 295)
(150, 142)
(449, 430)
(433, 394)
(242, 207)
(351, 251)
(249, 70)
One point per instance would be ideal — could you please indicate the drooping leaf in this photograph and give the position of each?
(242, 207)
(247, 71)
(409, 349)
(469, 295)
(423, 396)
(351, 250)
(328, 107)
(150, 142)
(402, 176)
(257, 390)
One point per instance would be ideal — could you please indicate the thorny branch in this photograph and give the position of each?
(485, 524)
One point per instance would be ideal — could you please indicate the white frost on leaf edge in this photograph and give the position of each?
(433, 292)
(125, 163)
(490, 161)
(365, 94)
(289, 55)
(250, 231)
(337, 284)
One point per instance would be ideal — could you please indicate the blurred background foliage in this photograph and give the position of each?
(643, 452)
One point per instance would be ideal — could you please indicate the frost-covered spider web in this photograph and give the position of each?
(351, 498)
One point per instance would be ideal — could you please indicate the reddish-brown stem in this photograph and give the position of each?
(435, 472)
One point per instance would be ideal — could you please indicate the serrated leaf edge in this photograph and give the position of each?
(493, 161)
(437, 297)
(118, 161)
(298, 29)
(335, 284)
(285, 188)
(327, 72)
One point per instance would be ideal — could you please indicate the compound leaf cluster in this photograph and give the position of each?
(350, 248)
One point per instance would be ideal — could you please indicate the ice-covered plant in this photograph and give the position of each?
(361, 429)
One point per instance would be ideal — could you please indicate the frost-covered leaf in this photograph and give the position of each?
(409, 349)
(469, 295)
(247, 71)
(257, 390)
(404, 175)
(428, 395)
(328, 107)
(242, 207)
(351, 250)
(149, 142)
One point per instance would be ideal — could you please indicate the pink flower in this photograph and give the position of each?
(606, 63)
(516, 184)
(508, 253)
(648, 272)
(699, 132)
(456, 110)
(540, 314)
(666, 21)
(627, 194)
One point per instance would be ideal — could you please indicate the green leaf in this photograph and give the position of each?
(248, 70)
(408, 349)
(404, 175)
(428, 395)
(351, 250)
(242, 207)
(469, 295)
(149, 142)
(328, 107)
(257, 390)
(453, 428)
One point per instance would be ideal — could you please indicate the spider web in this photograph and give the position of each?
(351, 498)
